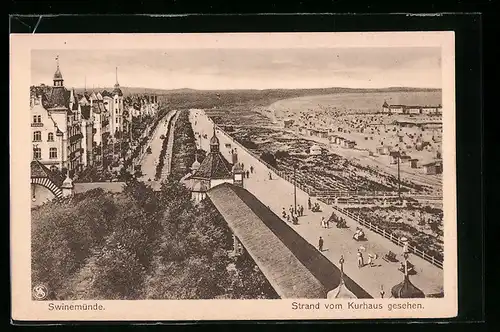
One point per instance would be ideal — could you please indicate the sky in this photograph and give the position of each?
(220, 69)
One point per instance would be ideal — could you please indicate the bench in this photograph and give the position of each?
(390, 257)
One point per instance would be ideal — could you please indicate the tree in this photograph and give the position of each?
(118, 273)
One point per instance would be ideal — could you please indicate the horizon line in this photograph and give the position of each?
(255, 89)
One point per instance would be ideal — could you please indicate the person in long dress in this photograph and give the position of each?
(360, 259)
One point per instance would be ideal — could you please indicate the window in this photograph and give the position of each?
(54, 169)
(50, 137)
(37, 136)
(53, 153)
(37, 119)
(37, 153)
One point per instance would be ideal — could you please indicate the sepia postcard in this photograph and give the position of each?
(233, 176)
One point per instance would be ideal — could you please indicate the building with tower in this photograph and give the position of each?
(116, 108)
(212, 171)
(56, 133)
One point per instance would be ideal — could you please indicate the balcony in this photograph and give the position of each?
(75, 138)
(37, 124)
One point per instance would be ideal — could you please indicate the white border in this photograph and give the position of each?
(23, 308)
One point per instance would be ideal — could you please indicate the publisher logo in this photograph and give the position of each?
(40, 292)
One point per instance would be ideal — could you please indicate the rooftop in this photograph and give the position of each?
(294, 267)
(39, 170)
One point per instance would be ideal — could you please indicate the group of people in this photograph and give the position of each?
(339, 221)
(325, 223)
(370, 262)
(293, 214)
(359, 234)
(313, 207)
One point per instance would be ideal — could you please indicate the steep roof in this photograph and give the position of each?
(294, 267)
(59, 98)
(85, 111)
(105, 93)
(214, 166)
(39, 170)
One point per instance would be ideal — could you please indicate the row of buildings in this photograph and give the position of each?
(411, 109)
(69, 129)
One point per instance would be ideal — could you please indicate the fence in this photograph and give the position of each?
(312, 192)
(393, 238)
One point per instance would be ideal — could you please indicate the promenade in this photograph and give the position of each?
(148, 164)
(278, 194)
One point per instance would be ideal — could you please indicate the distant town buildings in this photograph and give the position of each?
(411, 109)
(69, 129)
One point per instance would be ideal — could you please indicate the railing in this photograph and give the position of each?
(393, 238)
(311, 191)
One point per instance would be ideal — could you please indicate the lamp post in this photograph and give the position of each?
(399, 177)
(295, 187)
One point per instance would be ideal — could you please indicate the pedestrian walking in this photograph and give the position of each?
(323, 224)
(283, 213)
(290, 209)
(251, 169)
(309, 202)
(320, 244)
(360, 259)
(288, 217)
(248, 174)
(382, 293)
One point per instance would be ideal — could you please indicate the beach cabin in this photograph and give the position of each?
(323, 133)
(405, 159)
(350, 144)
(315, 150)
(288, 123)
(379, 150)
(433, 168)
(386, 150)
(414, 163)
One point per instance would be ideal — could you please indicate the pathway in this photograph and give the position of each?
(167, 166)
(337, 242)
(148, 164)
